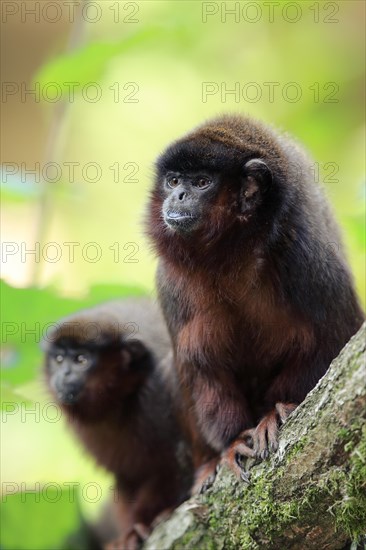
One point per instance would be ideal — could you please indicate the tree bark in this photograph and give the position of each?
(310, 494)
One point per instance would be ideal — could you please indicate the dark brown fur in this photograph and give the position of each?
(124, 415)
(258, 299)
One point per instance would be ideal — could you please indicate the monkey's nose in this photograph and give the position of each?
(182, 195)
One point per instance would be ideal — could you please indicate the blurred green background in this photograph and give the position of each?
(77, 166)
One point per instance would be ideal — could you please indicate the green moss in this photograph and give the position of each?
(296, 449)
(339, 493)
(350, 511)
(346, 489)
(256, 506)
(343, 434)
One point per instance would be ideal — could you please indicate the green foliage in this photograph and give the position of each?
(39, 520)
(167, 55)
(88, 63)
(27, 424)
(164, 58)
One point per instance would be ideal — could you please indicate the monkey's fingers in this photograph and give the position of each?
(204, 477)
(123, 544)
(141, 530)
(266, 436)
(284, 410)
(257, 442)
(118, 544)
(132, 540)
(242, 447)
(207, 484)
(247, 437)
(234, 457)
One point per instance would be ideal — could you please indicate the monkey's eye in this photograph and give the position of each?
(173, 181)
(81, 359)
(202, 183)
(59, 358)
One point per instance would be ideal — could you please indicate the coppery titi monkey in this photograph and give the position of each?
(252, 280)
(108, 368)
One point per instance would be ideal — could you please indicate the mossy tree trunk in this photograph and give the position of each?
(310, 494)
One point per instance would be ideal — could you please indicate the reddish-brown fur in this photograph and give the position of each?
(256, 305)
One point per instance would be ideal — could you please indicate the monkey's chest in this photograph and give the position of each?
(107, 440)
(218, 337)
(242, 337)
(237, 325)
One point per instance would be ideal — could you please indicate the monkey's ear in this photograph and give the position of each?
(257, 179)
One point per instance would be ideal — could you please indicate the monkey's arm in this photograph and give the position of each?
(218, 413)
(221, 411)
(129, 510)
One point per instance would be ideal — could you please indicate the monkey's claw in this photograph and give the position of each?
(258, 442)
(245, 476)
(132, 540)
(207, 484)
(205, 477)
(234, 457)
(265, 436)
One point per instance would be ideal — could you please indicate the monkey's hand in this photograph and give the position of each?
(132, 540)
(258, 442)
(204, 477)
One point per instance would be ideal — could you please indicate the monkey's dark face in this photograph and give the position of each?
(187, 196)
(69, 369)
(204, 188)
(90, 379)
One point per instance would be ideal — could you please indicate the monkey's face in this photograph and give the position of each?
(187, 197)
(90, 379)
(68, 371)
(204, 188)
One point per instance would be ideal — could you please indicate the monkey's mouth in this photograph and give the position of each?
(68, 395)
(182, 222)
(178, 216)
